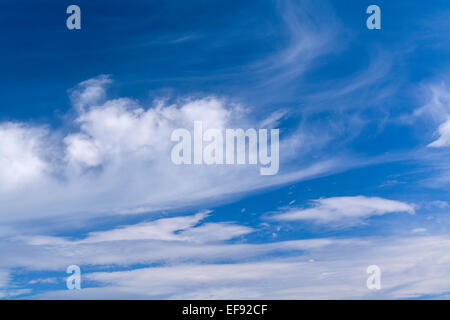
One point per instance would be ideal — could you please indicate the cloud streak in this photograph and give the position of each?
(411, 267)
(344, 210)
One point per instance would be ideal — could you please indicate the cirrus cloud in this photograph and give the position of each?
(344, 210)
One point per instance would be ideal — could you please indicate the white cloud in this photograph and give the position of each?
(172, 229)
(437, 108)
(43, 280)
(307, 35)
(419, 230)
(165, 240)
(191, 266)
(4, 279)
(82, 151)
(438, 102)
(410, 267)
(435, 114)
(7, 290)
(90, 92)
(444, 136)
(117, 159)
(439, 203)
(161, 229)
(344, 210)
(13, 293)
(210, 232)
(21, 157)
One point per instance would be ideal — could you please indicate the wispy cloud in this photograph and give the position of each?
(411, 267)
(344, 210)
(307, 36)
(444, 136)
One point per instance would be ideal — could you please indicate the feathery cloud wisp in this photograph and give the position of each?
(344, 210)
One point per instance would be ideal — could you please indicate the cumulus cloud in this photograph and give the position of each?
(21, 155)
(90, 92)
(344, 210)
(116, 158)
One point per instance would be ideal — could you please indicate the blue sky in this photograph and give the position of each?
(86, 177)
